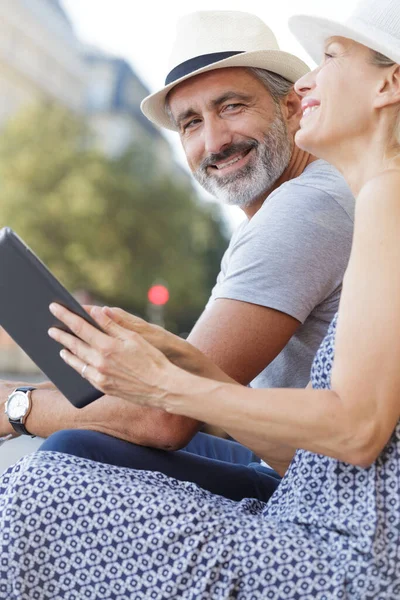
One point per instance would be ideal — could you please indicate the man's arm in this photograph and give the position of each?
(51, 412)
(242, 338)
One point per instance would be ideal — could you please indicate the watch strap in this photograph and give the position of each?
(20, 428)
(17, 425)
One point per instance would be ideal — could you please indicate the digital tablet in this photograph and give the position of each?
(27, 288)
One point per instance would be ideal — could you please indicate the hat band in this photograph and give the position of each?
(193, 64)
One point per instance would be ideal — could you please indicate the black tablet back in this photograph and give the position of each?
(27, 288)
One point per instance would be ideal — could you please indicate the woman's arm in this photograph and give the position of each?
(351, 422)
(354, 421)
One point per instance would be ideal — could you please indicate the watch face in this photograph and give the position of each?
(17, 405)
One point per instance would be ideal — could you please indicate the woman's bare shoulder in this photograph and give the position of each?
(380, 195)
(388, 181)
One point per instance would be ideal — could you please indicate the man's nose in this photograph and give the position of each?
(217, 135)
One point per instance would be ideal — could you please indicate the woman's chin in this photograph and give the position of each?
(306, 141)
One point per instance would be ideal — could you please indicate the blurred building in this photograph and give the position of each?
(39, 56)
(113, 96)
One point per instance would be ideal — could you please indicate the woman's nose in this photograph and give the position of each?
(305, 83)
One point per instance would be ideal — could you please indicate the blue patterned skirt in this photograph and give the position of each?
(75, 529)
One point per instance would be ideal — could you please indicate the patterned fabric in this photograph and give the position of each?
(73, 529)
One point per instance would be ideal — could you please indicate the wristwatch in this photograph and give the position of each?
(18, 407)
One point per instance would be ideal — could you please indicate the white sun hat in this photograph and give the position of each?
(208, 40)
(374, 23)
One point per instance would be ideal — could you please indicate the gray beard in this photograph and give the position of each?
(271, 157)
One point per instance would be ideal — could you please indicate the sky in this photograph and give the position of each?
(142, 31)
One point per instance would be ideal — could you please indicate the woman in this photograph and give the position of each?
(72, 528)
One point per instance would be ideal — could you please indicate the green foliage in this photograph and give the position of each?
(111, 227)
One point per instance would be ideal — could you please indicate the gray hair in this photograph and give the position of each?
(276, 85)
(380, 60)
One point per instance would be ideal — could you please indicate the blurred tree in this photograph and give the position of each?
(109, 226)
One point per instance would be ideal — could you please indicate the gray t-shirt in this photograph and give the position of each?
(291, 256)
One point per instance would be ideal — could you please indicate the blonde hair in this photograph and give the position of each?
(380, 60)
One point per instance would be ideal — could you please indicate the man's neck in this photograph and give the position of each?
(298, 163)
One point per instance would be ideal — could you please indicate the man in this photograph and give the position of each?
(229, 95)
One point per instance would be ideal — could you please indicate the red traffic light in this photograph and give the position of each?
(158, 294)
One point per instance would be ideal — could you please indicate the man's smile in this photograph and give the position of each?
(232, 163)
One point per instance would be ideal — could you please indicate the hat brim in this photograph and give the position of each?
(281, 63)
(312, 33)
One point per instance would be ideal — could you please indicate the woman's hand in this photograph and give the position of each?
(178, 351)
(119, 362)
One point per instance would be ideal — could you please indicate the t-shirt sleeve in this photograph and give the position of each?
(292, 254)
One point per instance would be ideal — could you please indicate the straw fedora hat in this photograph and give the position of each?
(208, 40)
(374, 23)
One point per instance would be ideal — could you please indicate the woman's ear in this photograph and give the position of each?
(389, 90)
(291, 110)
